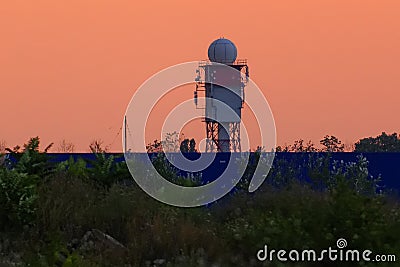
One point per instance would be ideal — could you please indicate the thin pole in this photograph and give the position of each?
(125, 136)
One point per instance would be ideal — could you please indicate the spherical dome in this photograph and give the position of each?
(222, 51)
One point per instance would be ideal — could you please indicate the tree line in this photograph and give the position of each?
(172, 143)
(330, 143)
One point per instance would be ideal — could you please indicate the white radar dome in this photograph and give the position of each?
(222, 51)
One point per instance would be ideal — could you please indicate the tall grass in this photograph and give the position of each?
(47, 210)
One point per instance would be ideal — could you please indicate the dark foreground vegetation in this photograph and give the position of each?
(69, 215)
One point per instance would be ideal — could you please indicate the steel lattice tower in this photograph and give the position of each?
(223, 133)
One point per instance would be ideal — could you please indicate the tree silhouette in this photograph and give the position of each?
(192, 145)
(66, 147)
(331, 143)
(298, 146)
(154, 147)
(381, 143)
(188, 145)
(96, 146)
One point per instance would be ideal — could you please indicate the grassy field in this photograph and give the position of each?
(68, 215)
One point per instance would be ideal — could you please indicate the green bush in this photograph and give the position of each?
(61, 203)
(103, 171)
(30, 160)
(73, 168)
(18, 197)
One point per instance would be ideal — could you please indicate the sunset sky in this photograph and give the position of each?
(68, 69)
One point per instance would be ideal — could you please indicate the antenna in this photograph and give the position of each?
(125, 136)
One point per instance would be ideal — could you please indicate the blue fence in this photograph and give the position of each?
(387, 165)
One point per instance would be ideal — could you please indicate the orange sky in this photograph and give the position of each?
(69, 68)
